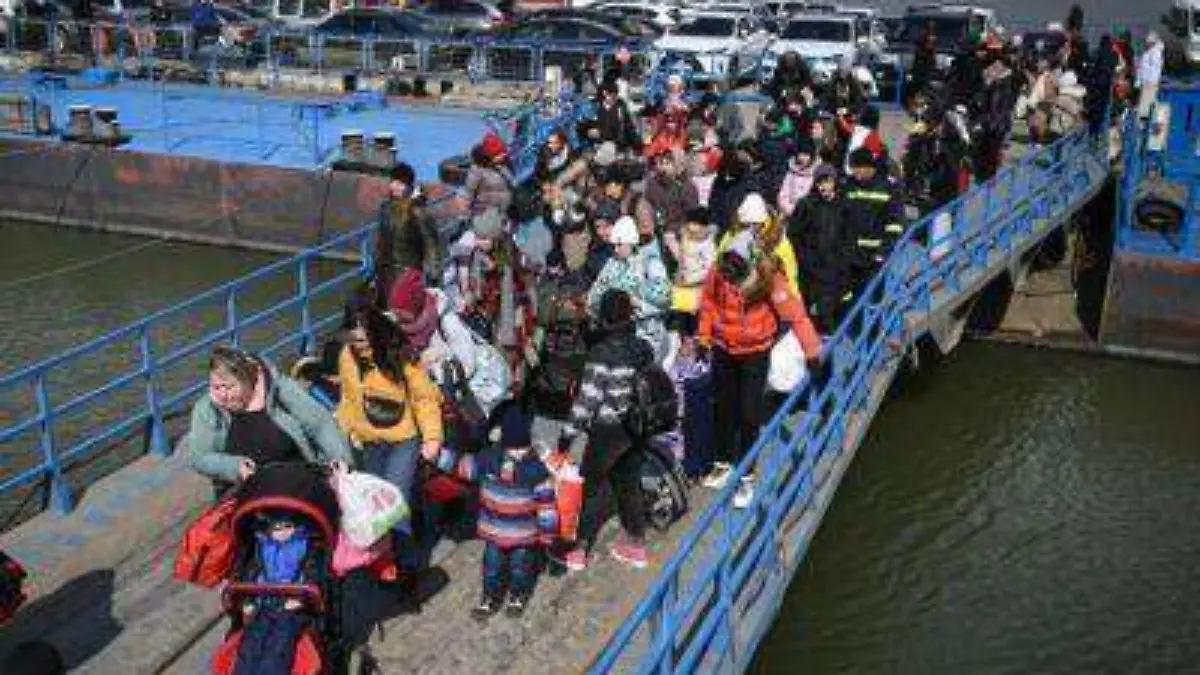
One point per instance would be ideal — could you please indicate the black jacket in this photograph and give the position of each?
(616, 124)
(821, 236)
(874, 217)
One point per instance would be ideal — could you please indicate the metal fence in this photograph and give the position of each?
(718, 594)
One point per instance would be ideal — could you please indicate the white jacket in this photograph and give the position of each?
(1150, 65)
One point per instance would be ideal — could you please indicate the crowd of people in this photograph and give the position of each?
(642, 241)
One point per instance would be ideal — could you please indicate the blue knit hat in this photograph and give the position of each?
(516, 429)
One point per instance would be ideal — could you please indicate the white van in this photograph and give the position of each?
(299, 13)
(1184, 24)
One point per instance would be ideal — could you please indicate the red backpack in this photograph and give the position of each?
(206, 554)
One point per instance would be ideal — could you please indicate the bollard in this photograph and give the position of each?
(353, 149)
(108, 128)
(43, 122)
(79, 121)
(383, 153)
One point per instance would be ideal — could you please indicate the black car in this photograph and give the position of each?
(628, 27)
(376, 23)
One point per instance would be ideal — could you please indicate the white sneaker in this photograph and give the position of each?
(718, 476)
(745, 494)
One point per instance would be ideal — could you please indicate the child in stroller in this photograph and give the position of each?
(283, 600)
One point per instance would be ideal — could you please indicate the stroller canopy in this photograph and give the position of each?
(293, 488)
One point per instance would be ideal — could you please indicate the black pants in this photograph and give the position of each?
(740, 384)
(605, 482)
(824, 299)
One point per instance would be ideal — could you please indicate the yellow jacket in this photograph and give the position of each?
(783, 251)
(422, 402)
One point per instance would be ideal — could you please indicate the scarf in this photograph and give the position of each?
(419, 331)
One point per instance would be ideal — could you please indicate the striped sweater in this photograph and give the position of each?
(606, 389)
(517, 504)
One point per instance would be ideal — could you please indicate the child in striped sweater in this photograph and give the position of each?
(517, 516)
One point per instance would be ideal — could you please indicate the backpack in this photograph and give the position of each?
(664, 488)
(206, 555)
(655, 408)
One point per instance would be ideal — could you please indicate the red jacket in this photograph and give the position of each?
(726, 321)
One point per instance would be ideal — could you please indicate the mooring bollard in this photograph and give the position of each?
(108, 128)
(79, 122)
(384, 150)
(353, 149)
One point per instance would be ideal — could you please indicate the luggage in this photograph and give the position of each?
(206, 555)
(664, 487)
(694, 379)
(655, 408)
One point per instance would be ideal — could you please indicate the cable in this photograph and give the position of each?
(82, 265)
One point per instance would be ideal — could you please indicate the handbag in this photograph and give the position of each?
(383, 413)
(206, 555)
(489, 382)
(787, 369)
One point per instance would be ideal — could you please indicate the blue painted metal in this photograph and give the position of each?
(736, 578)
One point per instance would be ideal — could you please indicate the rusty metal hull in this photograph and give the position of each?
(1153, 306)
(191, 198)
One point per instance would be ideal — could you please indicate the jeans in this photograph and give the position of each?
(740, 384)
(397, 464)
(619, 481)
(513, 570)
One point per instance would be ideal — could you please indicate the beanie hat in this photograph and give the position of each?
(699, 214)
(493, 147)
(616, 308)
(624, 232)
(607, 209)
(516, 428)
(407, 293)
(488, 225)
(823, 172)
(862, 157)
(404, 173)
(753, 210)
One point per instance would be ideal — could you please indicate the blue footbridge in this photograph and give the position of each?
(99, 494)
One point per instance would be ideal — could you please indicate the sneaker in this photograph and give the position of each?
(745, 493)
(487, 606)
(577, 560)
(718, 476)
(516, 606)
(633, 555)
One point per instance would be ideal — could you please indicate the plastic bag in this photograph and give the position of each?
(371, 507)
(568, 495)
(788, 369)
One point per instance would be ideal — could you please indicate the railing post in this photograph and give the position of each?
(158, 435)
(306, 328)
(662, 628)
(231, 317)
(725, 593)
(58, 491)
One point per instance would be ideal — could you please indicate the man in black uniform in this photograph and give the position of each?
(821, 237)
(874, 215)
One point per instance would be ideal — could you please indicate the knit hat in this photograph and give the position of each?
(516, 428)
(607, 209)
(624, 232)
(862, 157)
(606, 154)
(407, 294)
(753, 210)
(823, 172)
(493, 147)
(488, 225)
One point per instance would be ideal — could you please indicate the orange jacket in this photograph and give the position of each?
(726, 321)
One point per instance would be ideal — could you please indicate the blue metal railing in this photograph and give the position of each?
(714, 599)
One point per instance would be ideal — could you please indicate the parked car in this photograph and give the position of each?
(562, 28)
(951, 25)
(762, 16)
(662, 16)
(297, 14)
(393, 32)
(460, 16)
(721, 45)
(825, 41)
(630, 27)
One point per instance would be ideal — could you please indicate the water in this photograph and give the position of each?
(1014, 511)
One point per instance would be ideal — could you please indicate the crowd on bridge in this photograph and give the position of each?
(627, 317)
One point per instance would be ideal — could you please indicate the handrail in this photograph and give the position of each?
(681, 633)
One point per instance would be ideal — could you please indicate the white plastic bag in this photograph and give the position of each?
(788, 369)
(371, 507)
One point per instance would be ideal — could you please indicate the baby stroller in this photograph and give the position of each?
(283, 601)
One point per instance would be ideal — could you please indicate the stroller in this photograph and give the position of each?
(283, 601)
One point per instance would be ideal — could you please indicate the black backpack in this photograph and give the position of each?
(664, 488)
(655, 406)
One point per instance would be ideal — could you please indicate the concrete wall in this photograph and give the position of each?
(182, 197)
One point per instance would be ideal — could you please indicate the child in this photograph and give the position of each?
(516, 512)
(696, 251)
(282, 546)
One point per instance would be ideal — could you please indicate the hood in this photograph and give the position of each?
(815, 50)
(693, 43)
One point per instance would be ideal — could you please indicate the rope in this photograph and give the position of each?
(82, 265)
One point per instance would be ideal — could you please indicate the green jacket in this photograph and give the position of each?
(291, 408)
